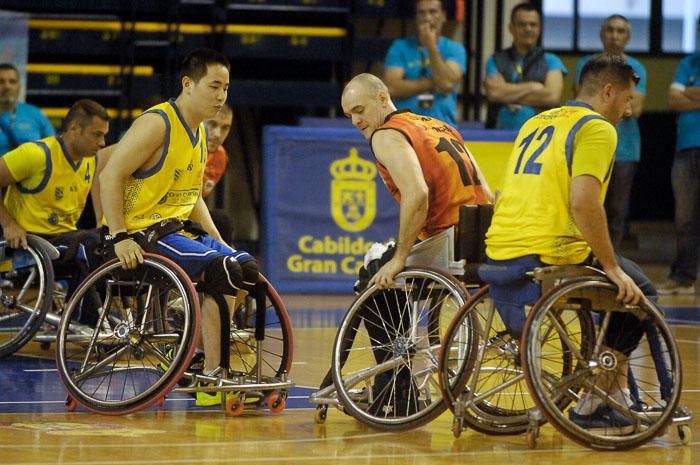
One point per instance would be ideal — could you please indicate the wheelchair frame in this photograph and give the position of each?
(49, 304)
(148, 330)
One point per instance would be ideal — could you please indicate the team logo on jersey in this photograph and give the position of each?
(58, 193)
(353, 192)
(53, 219)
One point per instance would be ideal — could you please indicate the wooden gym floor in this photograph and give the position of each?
(35, 429)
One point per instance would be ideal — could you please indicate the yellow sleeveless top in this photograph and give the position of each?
(170, 188)
(51, 189)
(532, 215)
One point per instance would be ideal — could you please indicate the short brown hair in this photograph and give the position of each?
(603, 68)
(82, 112)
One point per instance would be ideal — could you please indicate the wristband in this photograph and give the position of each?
(120, 236)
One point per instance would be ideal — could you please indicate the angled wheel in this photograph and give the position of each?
(384, 361)
(26, 293)
(141, 343)
(275, 351)
(654, 379)
(480, 367)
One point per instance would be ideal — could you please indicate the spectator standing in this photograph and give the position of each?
(422, 72)
(19, 122)
(615, 34)
(684, 97)
(522, 80)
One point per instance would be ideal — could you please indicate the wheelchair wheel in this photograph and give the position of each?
(384, 360)
(481, 370)
(142, 342)
(275, 351)
(654, 366)
(26, 294)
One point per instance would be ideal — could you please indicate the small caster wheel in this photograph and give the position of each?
(275, 403)
(532, 439)
(70, 404)
(685, 434)
(235, 406)
(321, 414)
(457, 426)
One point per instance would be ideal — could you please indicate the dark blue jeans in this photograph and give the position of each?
(512, 290)
(618, 198)
(685, 179)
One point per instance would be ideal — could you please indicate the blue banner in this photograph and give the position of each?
(324, 203)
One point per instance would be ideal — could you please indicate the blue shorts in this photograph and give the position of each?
(193, 255)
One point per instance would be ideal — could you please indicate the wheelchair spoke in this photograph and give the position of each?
(87, 371)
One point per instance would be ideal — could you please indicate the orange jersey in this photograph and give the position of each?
(448, 170)
(213, 172)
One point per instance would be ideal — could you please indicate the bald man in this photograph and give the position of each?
(430, 173)
(423, 162)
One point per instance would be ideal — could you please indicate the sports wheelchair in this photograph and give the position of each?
(385, 357)
(142, 344)
(496, 384)
(30, 299)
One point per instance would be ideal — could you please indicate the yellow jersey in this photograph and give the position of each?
(532, 214)
(170, 188)
(51, 189)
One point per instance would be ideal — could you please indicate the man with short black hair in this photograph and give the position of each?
(522, 80)
(152, 182)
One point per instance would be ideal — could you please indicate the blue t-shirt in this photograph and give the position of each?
(415, 61)
(29, 124)
(629, 146)
(513, 116)
(688, 74)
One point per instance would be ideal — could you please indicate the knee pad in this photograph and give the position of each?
(250, 272)
(223, 274)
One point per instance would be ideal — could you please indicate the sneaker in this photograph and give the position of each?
(672, 287)
(604, 420)
(506, 345)
(207, 399)
(650, 411)
(196, 365)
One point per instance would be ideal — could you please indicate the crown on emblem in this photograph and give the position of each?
(353, 167)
